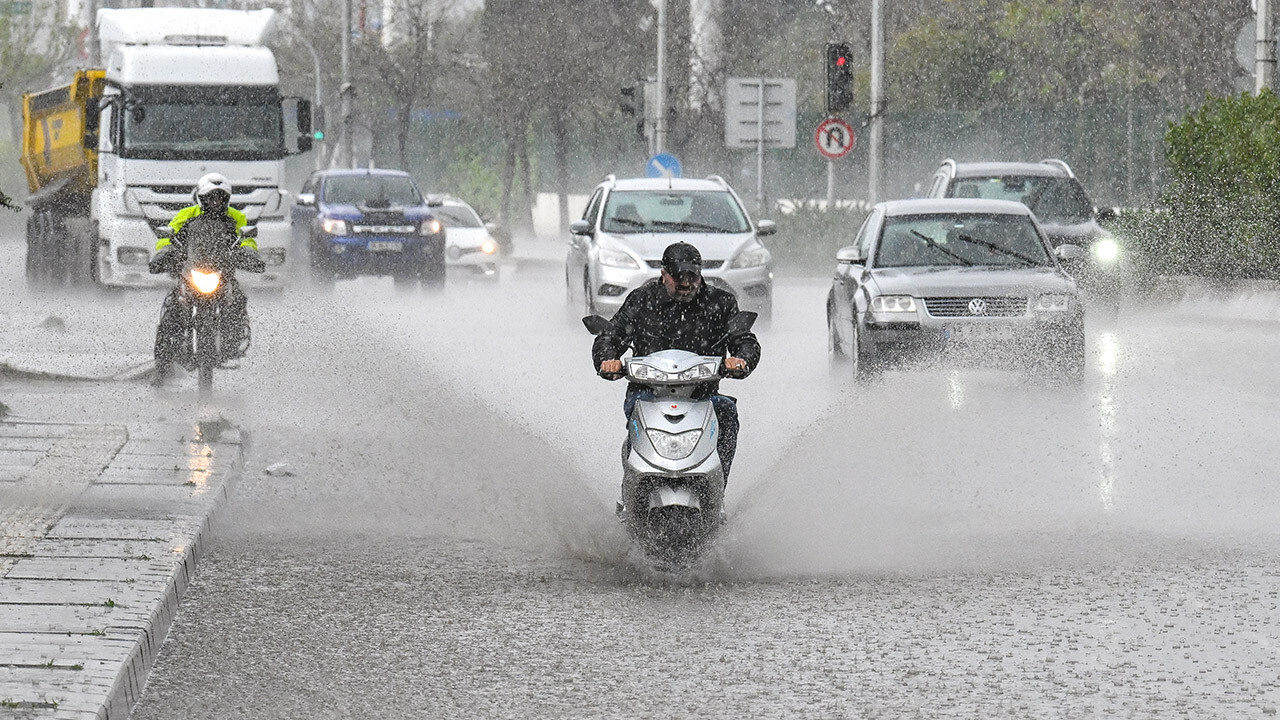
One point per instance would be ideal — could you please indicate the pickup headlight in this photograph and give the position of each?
(429, 227)
(674, 446)
(893, 303)
(617, 258)
(751, 256)
(1106, 250)
(1053, 303)
(334, 227)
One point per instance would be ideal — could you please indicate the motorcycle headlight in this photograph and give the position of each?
(617, 258)
(751, 256)
(706, 370)
(674, 446)
(1053, 303)
(893, 303)
(205, 282)
(334, 227)
(641, 371)
(1106, 250)
(429, 227)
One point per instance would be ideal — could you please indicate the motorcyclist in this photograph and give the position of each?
(211, 198)
(678, 311)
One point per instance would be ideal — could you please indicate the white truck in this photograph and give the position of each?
(185, 92)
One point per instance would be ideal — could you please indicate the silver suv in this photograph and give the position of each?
(617, 245)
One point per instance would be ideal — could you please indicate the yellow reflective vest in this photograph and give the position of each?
(187, 213)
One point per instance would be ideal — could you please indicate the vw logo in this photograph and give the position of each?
(977, 306)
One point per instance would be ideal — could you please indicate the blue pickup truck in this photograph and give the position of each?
(368, 222)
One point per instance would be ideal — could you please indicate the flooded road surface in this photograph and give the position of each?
(944, 543)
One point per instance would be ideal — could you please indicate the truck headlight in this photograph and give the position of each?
(617, 258)
(132, 256)
(751, 256)
(1053, 303)
(674, 446)
(893, 303)
(334, 227)
(272, 256)
(1106, 250)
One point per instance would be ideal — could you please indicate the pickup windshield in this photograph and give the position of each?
(371, 191)
(194, 123)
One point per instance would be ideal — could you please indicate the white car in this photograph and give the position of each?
(468, 242)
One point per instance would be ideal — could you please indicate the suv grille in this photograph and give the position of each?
(976, 306)
(706, 264)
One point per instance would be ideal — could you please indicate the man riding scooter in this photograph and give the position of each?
(212, 213)
(679, 311)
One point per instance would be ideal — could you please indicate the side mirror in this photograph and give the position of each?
(92, 116)
(1068, 252)
(580, 227)
(491, 227)
(306, 199)
(434, 201)
(766, 227)
(596, 324)
(741, 323)
(849, 256)
(1107, 214)
(249, 231)
(163, 231)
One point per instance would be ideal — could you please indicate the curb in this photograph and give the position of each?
(90, 588)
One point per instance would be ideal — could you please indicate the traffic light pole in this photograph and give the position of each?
(348, 142)
(660, 124)
(877, 101)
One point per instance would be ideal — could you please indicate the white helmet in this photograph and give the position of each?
(209, 183)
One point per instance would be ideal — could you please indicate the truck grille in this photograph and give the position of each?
(976, 306)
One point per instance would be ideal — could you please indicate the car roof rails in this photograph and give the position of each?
(718, 180)
(610, 179)
(949, 163)
(1058, 164)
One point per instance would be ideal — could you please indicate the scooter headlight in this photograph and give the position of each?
(674, 446)
(205, 282)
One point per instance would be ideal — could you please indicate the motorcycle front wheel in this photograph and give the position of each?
(206, 327)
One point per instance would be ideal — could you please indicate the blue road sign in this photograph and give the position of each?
(663, 165)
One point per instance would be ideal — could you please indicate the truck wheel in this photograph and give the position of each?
(33, 250)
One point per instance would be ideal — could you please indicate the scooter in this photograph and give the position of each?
(672, 481)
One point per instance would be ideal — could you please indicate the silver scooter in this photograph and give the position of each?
(672, 480)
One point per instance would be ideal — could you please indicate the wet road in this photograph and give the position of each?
(948, 542)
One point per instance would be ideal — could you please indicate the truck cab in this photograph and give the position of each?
(188, 91)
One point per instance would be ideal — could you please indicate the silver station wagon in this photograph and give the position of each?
(973, 278)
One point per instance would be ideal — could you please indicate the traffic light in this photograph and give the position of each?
(629, 104)
(317, 124)
(839, 77)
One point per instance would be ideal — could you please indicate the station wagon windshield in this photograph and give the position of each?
(668, 211)
(1052, 199)
(969, 239)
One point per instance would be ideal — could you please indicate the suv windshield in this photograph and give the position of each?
(371, 190)
(456, 216)
(960, 239)
(673, 211)
(1052, 199)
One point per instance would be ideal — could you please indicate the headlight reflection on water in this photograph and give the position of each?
(1108, 358)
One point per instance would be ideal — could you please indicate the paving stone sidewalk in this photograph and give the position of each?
(100, 530)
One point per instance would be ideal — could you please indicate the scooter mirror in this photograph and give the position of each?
(741, 323)
(596, 324)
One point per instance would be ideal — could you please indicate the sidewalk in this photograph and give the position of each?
(100, 530)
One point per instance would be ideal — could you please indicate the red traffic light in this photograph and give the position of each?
(840, 61)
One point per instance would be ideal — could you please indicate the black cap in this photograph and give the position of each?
(681, 257)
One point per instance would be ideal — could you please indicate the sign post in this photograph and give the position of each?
(834, 138)
(760, 112)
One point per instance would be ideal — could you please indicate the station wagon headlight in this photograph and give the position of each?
(893, 303)
(1106, 250)
(617, 258)
(1053, 303)
(674, 446)
(751, 256)
(334, 227)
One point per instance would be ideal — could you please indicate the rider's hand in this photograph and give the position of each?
(735, 367)
(611, 369)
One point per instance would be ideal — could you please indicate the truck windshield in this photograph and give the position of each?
(193, 123)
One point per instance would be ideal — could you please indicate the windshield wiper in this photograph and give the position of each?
(628, 221)
(689, 225)
(1030, 261)
(934, 244)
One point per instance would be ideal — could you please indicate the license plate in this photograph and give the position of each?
(385, 246)
(383, 229)
(976, 333)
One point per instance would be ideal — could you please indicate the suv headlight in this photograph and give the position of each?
(893, 303)
(334, 227)
(1053, 303)
(751, 256)
(1106, 250)
(617, 258)
(674, 446)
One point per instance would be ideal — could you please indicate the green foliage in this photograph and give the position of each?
(1224, 190)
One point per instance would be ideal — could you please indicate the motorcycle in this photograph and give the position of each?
(209, 262)
(672, 481)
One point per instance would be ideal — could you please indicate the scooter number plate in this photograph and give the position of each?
(385, 246)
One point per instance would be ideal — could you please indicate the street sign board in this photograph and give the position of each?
(663, 165)
(834, 138)
(743, 111)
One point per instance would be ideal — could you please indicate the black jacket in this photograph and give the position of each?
(651, 320)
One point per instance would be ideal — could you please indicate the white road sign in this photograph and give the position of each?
(744, 112)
